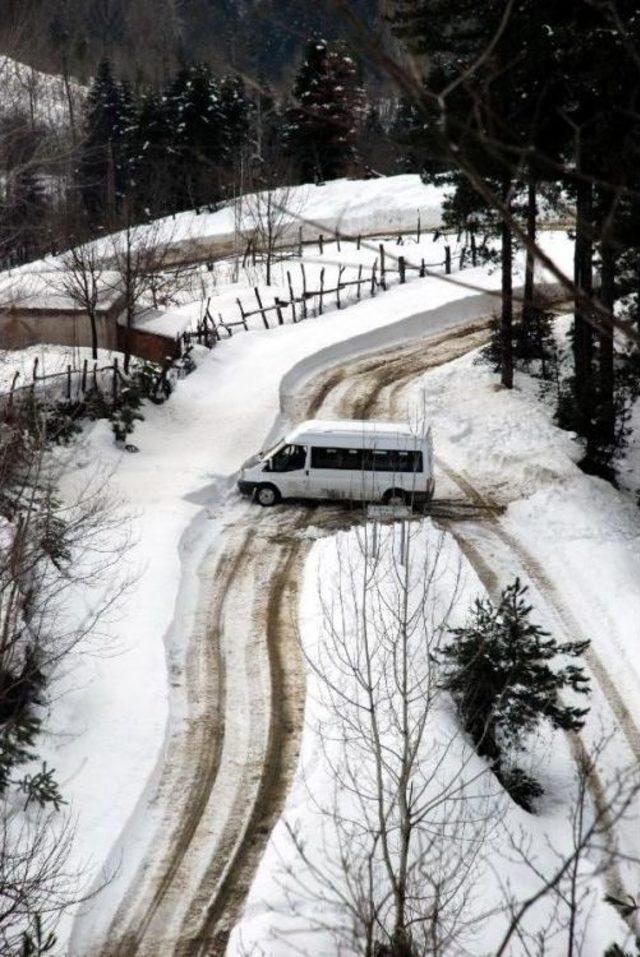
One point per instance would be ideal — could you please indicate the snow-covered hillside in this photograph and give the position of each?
(43, 97)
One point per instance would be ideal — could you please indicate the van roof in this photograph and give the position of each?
(351, 429)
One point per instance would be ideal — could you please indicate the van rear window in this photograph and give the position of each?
(375, 460)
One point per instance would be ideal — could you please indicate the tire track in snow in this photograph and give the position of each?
(379, 392)
(223, 796)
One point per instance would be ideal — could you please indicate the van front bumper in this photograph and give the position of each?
(246, 488)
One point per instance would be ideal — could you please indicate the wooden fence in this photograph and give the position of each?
(73, 385)
(314, 302)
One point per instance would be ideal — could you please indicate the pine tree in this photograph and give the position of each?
(235, 109)
(322, 127)
(198, 133)
(104, 163)
(500, 670)
(149, 183)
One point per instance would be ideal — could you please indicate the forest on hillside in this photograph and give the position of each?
(146, 39)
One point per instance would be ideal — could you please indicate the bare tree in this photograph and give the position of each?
(391, 872)
(81, 278)
(269, 215)
(600, 805)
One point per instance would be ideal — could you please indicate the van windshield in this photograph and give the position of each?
(272, 451)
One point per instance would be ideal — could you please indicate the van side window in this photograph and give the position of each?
(370, 460)
(289, 459)
(344, 459)
(392, 460)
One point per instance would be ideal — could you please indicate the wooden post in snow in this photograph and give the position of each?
(447, 260)
(292, 298)
(402, 267)
(243, 318)
(279, 311)
(373, 278)
(321, 300)
(321, 244)
(359, 281)
(383, 280)
(304, 291)
(261, 307)
(338, 303)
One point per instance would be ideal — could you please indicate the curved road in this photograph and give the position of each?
(229, 765)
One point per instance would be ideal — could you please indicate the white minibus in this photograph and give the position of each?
(353, 460)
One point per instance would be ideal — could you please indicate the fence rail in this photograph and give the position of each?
(210, 329)
(73, 384)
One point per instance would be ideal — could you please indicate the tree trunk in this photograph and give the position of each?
(94, 335)
(506, 323)
(606, 369)
(527, 308)
(583, 333)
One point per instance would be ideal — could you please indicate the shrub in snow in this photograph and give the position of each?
(499, 668)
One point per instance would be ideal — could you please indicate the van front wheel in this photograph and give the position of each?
(395, 497)
(267, 495)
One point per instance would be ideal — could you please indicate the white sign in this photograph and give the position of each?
(389, 511)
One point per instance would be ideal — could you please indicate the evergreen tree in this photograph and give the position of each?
(500, 671)
(104, 161)
(322, 127)
(235, 108)
(149, 183)
(197, 126)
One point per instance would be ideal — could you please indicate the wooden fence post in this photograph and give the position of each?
(320, 303)
(402, 267)
(383, 280)
(114, 385)
(359, 242)
(304, 291)
(279, 312)
(242, 315)
(373, 278)
(462, 257)
(419, 229)
(474, 251)
(68, 383)
(447, 260)
(85, 365)
(321, 243)
(95, 376)
(292, 297)
(261, 307)
(359, 281)
(423, 268)
(338, 303)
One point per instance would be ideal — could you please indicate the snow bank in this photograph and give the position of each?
(321, 855)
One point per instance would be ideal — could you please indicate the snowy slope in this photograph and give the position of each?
(40, 96)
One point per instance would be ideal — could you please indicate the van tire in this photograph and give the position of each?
(395, 496)
(267, 495)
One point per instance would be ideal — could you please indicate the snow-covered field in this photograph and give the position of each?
(316, 867)
(108, 723)
(190, 449)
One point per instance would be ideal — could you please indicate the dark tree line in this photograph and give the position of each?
(190, 144)
(524, 98)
